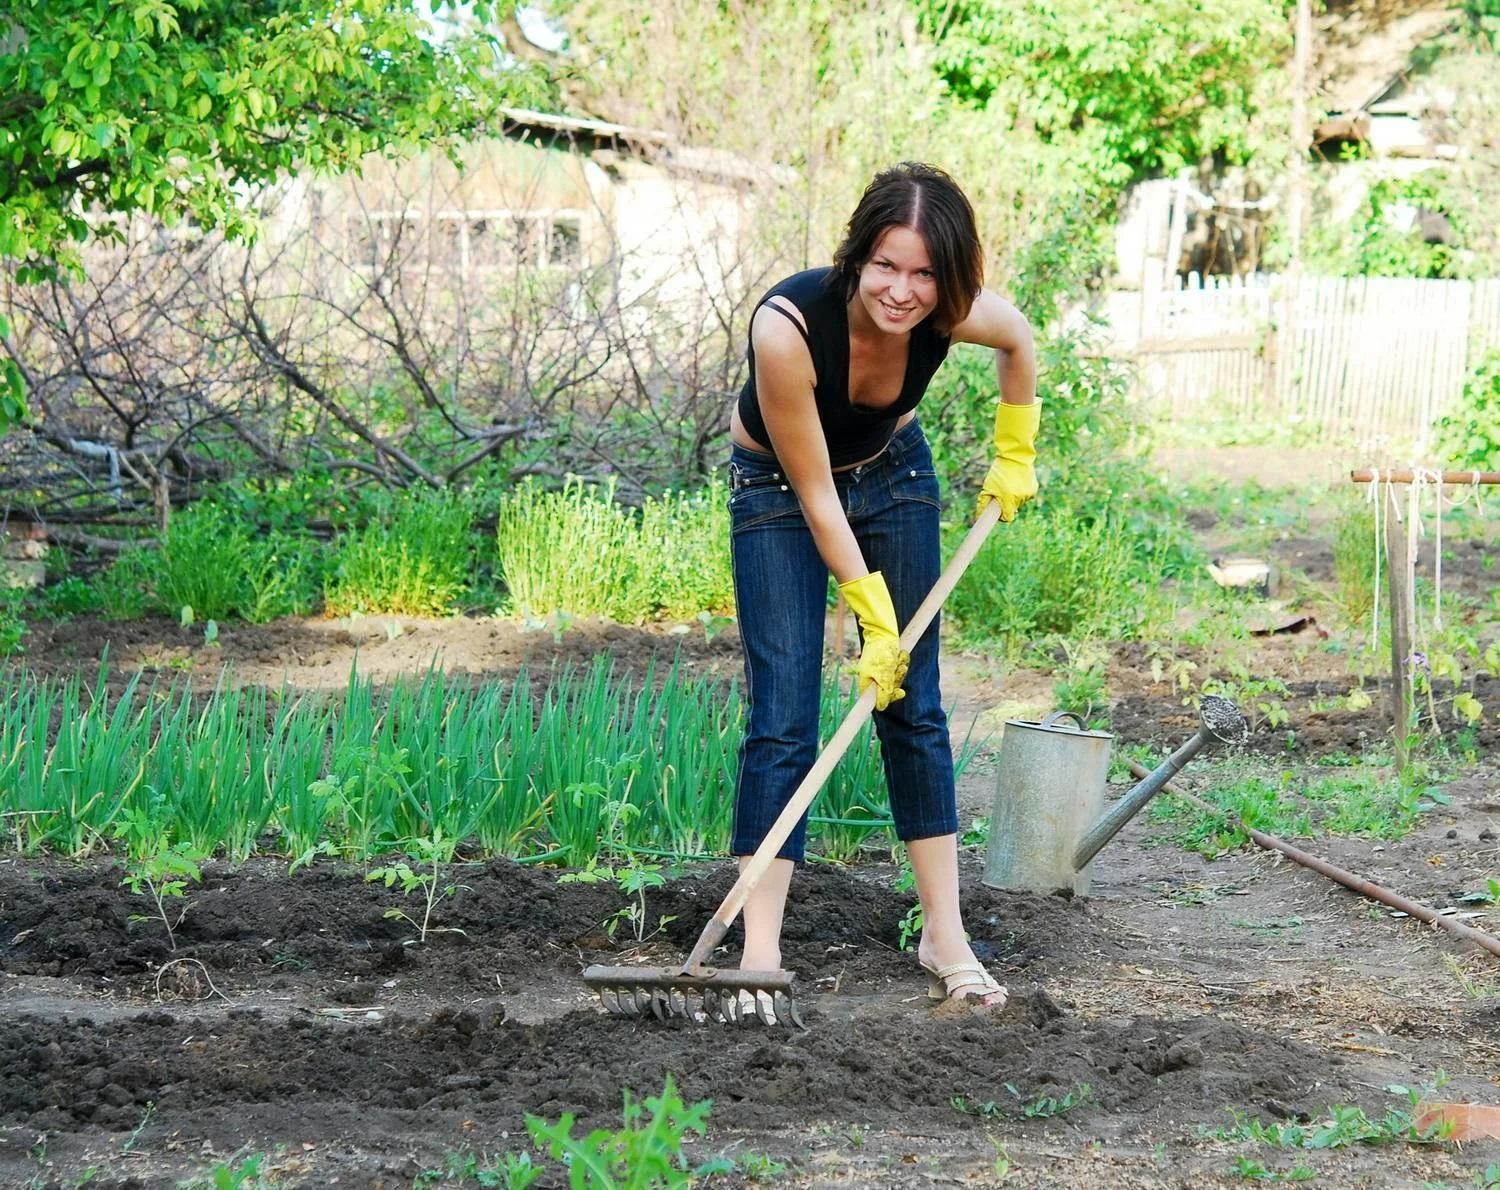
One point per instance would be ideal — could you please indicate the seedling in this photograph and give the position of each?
(911, 924)
(1488, 895)
(1044, 1107)
(163, 877)
(633, 880)
(436, 851)
(989, 1110)
(647, 1151)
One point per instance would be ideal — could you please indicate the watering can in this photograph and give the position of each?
(1048, 818)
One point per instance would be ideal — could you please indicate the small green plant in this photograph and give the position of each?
(1042, 1106)
(1079, 687)
(989, 1110)
(633, 879)
(760, 1167)
(1468, 435)
(1342, 1125)
(1488, 895)
(12, 627)
(646, 1152)
(514, 1171)
(910, 926)
(162, 876)
(436, 851)
(1255, 1171)
(1354, 550)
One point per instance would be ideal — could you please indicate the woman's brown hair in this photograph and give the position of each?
(929, 201)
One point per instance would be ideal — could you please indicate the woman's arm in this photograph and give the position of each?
(784, 380)
(994, 322)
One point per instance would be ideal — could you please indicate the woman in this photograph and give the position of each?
(829, 472)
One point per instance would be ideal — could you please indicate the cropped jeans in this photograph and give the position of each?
(781, 590)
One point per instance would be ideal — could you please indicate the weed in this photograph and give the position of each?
(1255, 1171)
(1080, 686)
(1343, 1125)
(912, 922)
(1040, 1106)
(1488, 895)
(515, 1171)
(647, 1151)
(12, 627)
(1370, 805)
(163, 877)
(436, 851)
(989, 1110)
(760, 1167)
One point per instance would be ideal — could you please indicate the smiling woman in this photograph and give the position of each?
(829, 472)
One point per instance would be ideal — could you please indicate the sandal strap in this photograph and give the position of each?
(973, 975)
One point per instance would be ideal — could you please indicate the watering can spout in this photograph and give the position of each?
(1048, 820)
(1219, 721)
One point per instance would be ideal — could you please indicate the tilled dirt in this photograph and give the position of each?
(295, 1019)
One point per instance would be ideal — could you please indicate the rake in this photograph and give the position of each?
(697, 991)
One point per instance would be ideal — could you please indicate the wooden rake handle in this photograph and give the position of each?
(822, 769)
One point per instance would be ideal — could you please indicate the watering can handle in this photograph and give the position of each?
(1051, 720)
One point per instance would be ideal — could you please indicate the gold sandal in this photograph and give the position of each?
(946, 983)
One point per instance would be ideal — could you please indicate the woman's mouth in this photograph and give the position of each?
(896, 312)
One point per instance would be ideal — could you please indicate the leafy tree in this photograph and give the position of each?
(1139, 87)
(179, 108)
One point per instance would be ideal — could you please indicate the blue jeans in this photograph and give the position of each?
(781, 592)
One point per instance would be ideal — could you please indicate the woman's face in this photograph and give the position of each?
(897, 287)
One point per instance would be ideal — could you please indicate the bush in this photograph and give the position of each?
(12, 627)
(413, 561)
(220, 566)
(580, 552)
(1469, 435)
(1062, 569)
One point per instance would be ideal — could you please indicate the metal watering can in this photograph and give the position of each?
(1048, 817)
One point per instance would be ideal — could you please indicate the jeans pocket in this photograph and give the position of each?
(757, 502)
(918, 485)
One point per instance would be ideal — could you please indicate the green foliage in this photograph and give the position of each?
(12, 626)
(1378, 806)
(214, 565)
(1468, 436)
(162, 874)
(12, 386)
(579, 552)
(1080, 684)
(1344, 1125)
(1355, 548)
(1044, 1106)
(175, 109)
(633, 878)
(413, 561)
(1069, 570)
(646, 1152)
(1139, 88)
(1372, 244)
(436, 851)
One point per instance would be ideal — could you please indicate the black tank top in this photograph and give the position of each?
(853, 433)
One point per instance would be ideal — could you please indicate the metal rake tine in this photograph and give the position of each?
(642, 1001)
(628, 1005)
(793, 1014)
(610, 998)
(783, 1006)
(660, 1007)
(763, 1009)
(712, 1008)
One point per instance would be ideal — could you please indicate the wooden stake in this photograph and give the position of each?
(1400, 569)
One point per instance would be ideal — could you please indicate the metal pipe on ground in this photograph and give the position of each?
(1349, 880)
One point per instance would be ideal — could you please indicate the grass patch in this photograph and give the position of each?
(1377, 806)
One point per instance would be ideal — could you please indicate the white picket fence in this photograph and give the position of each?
(1374, 358)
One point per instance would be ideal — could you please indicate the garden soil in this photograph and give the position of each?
(296, 1020)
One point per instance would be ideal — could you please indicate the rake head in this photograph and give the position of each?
(675, 993)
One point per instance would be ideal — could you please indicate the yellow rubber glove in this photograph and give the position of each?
(1012, 476)
(882, 659)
